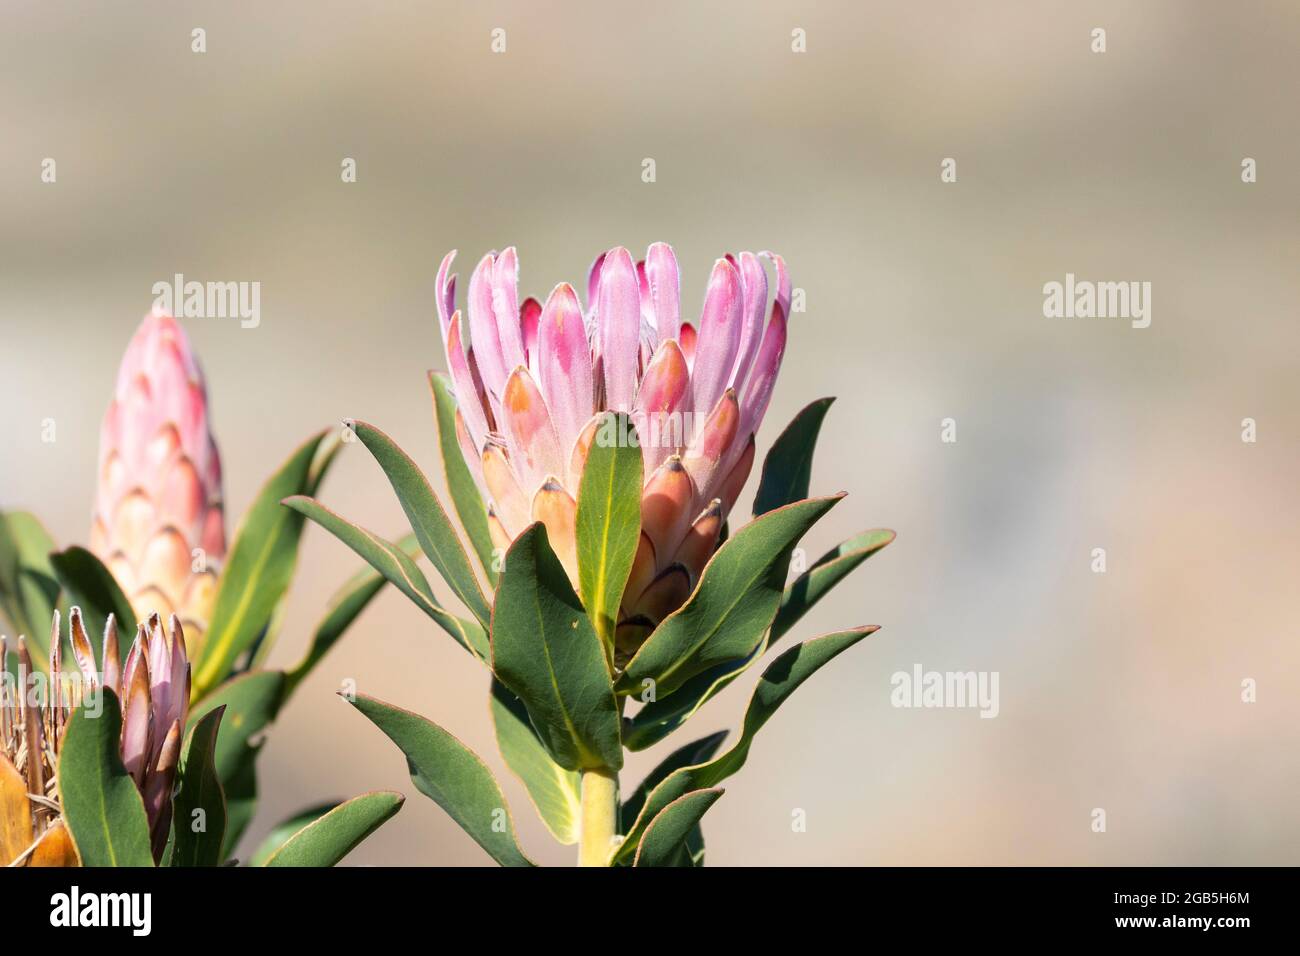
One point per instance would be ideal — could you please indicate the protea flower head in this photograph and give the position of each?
(153, 687)
(533, 380)
(158, 521)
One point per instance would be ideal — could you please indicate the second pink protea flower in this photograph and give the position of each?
(533, 380)
(158, 520)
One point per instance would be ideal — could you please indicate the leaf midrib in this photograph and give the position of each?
(474, 600)
(214, 661)
(602, 568)
(550, 672)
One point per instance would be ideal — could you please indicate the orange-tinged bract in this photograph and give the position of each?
(532, 382)
(158, 522)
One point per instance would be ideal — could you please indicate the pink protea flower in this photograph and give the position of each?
(533, 380)
(153, 687)
(159, 494)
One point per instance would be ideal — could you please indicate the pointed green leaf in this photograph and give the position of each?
(327, 840)
(554, 791)
(258, 568)
(452, 775)
(395, 564)
(428, 519)
(546, 651)
(465, 497)
(199, 811)
(695, 846)
(787, 469)
(608, 524)
(240, 786)
(91, 586)
(251, 701)
(831, 568)
(29, 591)
(733, 604)
(665, 840)
(101, 805)
(280, 834)
(344, 608)
(697, 751)
(659, 718)
(782, 677)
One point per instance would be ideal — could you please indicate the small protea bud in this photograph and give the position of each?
(532, 387)
(158, 520)
(154, 690)
(155, 694)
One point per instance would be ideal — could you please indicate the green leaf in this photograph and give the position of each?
(545, 650)
(344, 608)
(787, 469)
(327, 840)
(608, 525)
(280, 834)
(199, 792)
(101, 805)
(832, 567)
(782, 677)
(659, 718)
(240, 786)
(554, 791)
(465, 497)
(695, 846)
(428, 519)
(697, 751)
(29, 591)
(733, 604)
(258, 568)
(251, 701)
(665, 840)
(397, 566)
(452, 775)
(91, 586)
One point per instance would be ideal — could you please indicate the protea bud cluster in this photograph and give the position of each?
(158, 519)
(533, 380)
(153, 687)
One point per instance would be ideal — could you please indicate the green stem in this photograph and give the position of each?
(599, 817)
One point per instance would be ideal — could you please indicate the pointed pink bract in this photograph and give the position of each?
(696, 391)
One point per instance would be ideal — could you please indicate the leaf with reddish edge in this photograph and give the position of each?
(344, 608)
(465, 497)
(398, 567)
(101, 805)
(260, 565)
(697, 751)
(831, 568)
(787, 469)
(608, 525)
(428, 520)
(555, 792)
(452, 776)
(283, 830)
(546, 651)
(733, 605)
(664, 842)
(781, 679)
(328, 839)
(199, 798)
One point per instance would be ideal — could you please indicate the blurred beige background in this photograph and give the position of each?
(1118, 691)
